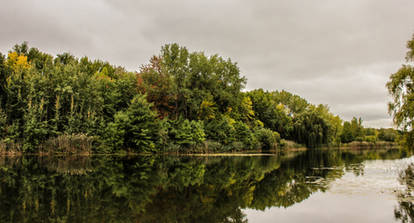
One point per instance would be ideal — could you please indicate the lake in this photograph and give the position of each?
(305, 186)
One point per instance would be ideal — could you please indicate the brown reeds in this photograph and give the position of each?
(75, 144)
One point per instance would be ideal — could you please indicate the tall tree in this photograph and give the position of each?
(3, 84)
(401, 88)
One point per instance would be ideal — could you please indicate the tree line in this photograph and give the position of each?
(179, 101)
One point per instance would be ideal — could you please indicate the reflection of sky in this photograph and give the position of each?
(366, 198)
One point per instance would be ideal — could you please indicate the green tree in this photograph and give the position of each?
(311, 129)
(389, 135)
(295, 103)
(36, 129)
(187, 133)
(401, 88)
(137, 128)
(271, 113)
(353, 131)
(221, 129)
(3, 82)
(198, 77)
(347, 135)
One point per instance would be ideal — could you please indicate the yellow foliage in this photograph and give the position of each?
(247, 106)
(206, 104)
(229, 120)
(280, 106)
(248, 197)
(17, 62)
(102, 76)
(207, 109)
(258, 123)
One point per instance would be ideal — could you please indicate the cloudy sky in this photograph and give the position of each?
(333, 52)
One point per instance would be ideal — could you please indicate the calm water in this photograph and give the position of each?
(313, 186)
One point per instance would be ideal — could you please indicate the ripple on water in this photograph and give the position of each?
(379, 177)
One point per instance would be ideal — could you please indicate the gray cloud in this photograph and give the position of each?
(339, 53)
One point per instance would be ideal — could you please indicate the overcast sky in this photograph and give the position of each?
(333, 52)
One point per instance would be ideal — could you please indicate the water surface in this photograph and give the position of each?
(310, 186)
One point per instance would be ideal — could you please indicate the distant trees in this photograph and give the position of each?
(352, 131)
(355, 131)
(389, 135)
(296, 119)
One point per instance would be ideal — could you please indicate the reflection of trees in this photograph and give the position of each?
(144, 189)
(405, 209)
(297, 179)
(162, 189)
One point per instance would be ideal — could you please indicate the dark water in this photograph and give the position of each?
(312, 186)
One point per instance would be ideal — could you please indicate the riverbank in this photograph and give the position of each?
(348, 147)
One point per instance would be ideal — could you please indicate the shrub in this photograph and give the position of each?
(221, 130)
(238, 146)
(245, 135)
(267, 138)
(359, 139)
(212, 146)
(371, 139)
(187, 133)
(389, 135)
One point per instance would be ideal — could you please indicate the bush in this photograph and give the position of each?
(371, 139)
(221, 130)
(186, 133)
(212, 146)
(389, 135)
(359, 139)
(267, 138)
(245, 135)
(238, 146)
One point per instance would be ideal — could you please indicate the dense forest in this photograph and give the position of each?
(179, 101)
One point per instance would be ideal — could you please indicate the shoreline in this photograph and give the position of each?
(354, 146)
